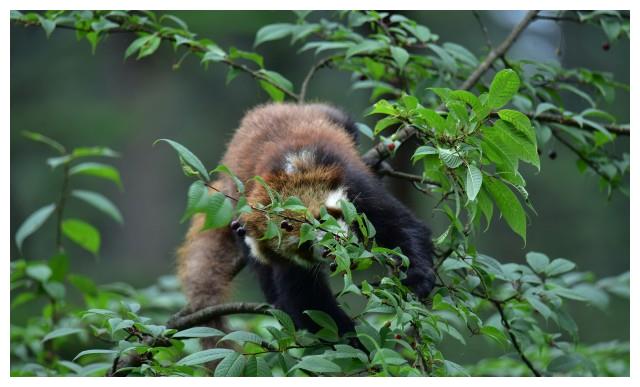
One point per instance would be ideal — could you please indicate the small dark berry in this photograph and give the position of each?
(553, 155)
(398, 337)
(333, 266)
(606, 46)
(234, 225)
(391, 146)
(326, 253)
(241, 231)
(353, 265)
(539, 152)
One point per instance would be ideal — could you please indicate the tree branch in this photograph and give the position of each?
(182, 321)
(546, 117)
(303, 88)
(131, 28)
(575, 150)
(380, 152)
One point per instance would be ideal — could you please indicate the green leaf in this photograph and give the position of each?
(520, 122)
(514, 142)
(419, 31)
(242, 337)
(365, 46)
(307, 233)
(137, 44)
(284, 319)
(509, 206)
(83, 234)
(495, 334)
(103, 171)
(276, 94)
(48, 25)
(232, 365)
(474, 181)
(213, 54)
(189, 158)
(450, 157)
(205, 356)
(388, 356)
(39, 271)
(219, 211)
(33, 223)
(60, 333)
(317, 364)
(198, 332)
(256, 366)
(149, 47)
(197, 199)
(539, 306)
(559, 266)
(44, 139)
(537, 261)
(95, 352)
(504, 86)
(564, 363)
(59, 265)
(273, 32)
(433, 119)
(277, 79)
(400, 56)
(103, 24)
(323, 319)
(100, 202)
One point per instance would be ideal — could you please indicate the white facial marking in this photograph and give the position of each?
(294, 162)
(252, 244)
(334, 198)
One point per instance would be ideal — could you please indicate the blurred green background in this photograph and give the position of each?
(60, 89)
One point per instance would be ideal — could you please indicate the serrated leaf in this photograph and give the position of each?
(509, 206)
(83, 234)
(188, 157)
(232, 365)
(257, 367)
(474, 181)
(33, 223)
(504, 86)
(433, 119)
(450, 157)
(60, 332)
(276, 94)
(277, 79)
(100, 170)
(100, 202)
(197, 199)
(284, 319)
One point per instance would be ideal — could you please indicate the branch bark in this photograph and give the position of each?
(379, 152)
(182, 321)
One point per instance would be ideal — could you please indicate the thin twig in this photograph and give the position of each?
(310, 74)
(380, 152)
(484, 29)
(575, 150)
(514, 339)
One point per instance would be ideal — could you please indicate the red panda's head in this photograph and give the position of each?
(316, 185)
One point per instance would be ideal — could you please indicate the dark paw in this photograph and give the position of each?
(420, 282)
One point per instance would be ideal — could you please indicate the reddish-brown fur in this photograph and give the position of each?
(206, 259)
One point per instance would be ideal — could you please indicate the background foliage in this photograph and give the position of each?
(474, 135)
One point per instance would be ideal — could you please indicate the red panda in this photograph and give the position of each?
(309, 151)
